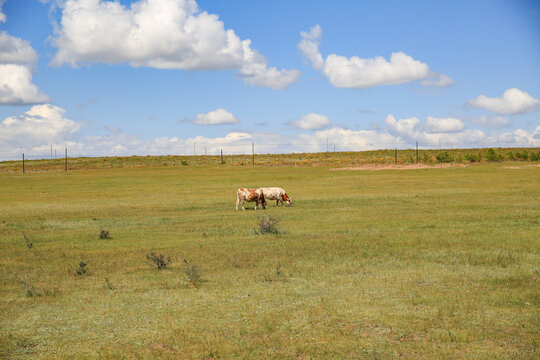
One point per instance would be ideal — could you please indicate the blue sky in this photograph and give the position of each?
(155, 76)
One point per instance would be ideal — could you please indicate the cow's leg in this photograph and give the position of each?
(237, 202)
(277, 202)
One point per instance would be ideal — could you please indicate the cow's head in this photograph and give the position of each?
(287, 199)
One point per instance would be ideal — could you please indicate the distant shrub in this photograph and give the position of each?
(158, 260)
(267, 225)
(522, 155)
(534, 156)
(184, 162)
(104, 234)
(192, 272)
(491, 155)
(444, 157)
(426, 159)
(472, 157)
(82, 269)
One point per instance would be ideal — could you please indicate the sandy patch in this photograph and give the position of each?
(400, 167)
(522, 167)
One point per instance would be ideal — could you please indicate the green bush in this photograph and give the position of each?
(522, 155)
(491, 155)
(444, 157)
(473, 157)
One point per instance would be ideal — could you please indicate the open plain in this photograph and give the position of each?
(419, 264)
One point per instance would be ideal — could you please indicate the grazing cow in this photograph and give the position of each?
(278, 194)
(250, 195)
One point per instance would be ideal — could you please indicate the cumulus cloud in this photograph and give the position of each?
(513, 101)
(17, 62)
(163, 34)
(41, 125)
(311, 121)
(217, 117)
(436, 125)
(360, 73)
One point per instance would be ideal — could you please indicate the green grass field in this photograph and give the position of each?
(417, 264)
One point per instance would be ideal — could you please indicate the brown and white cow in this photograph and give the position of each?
(250, 195)
(278, 194)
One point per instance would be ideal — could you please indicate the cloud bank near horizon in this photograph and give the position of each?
(36, 129)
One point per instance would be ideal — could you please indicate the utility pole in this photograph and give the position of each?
(253, 152)
(23, 170)
(417, 152)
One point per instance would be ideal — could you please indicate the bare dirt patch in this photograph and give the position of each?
(522, 167)
(400, 167)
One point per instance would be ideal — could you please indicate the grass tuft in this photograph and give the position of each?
(267, 225)
(158, 260)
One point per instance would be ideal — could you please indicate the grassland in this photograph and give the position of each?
(335, 159)
(418, 264)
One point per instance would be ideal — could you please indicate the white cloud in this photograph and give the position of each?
(41, 125)
(163, 34)
(408, 128)
(17, 61)
(2, 15)
(438, 80)
(16, 51)
(437, 125)
(217, 117)
(491, 121)
(513, 101)
(360, 73)
(311, 121)
(16, 87)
